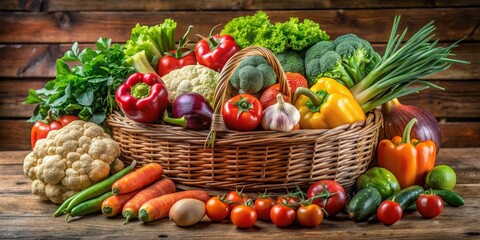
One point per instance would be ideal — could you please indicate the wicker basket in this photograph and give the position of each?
(257, 160)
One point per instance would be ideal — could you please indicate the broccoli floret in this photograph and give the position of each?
(347, 59)
(317, 50)
(269, 76)
(251, 79)
(291, 62)
(252, 61)
(355, 55)
(252, 75)
(344, 37)
(331, 66)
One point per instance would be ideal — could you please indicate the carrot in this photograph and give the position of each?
(159, 207)
(114, 204)
(138, 179)
(162, 187)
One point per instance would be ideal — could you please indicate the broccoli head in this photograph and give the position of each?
(252, 75)
(347, 59)
(291, 62)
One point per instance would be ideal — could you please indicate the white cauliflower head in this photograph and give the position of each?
(70, 160)
(192, 78)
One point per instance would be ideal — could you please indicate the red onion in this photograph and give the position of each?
(396, 116)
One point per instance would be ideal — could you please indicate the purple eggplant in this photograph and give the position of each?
(190, 110)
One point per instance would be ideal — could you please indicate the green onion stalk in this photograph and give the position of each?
(402, 66)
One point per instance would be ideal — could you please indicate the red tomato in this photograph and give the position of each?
(41, 129)
(242, 112)
(310, 215)
(169, 63)
(216, 209)
(263, 206)
(269, 96)
(389, 212)
(429, 206)
(243, 216)
(282, 215)
(334, 193)
(236, 197)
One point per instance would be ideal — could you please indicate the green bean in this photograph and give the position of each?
(91, 206)
(61, 209)
(99, 188)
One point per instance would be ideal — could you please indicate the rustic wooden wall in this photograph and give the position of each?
(33, 33)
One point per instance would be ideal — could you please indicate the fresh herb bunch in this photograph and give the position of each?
(86, 90)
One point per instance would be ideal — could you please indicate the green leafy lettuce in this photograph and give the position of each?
(257, 30)
(148, 44)
(88, 88)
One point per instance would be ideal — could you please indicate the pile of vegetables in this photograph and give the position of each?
(138, 194)
(152, 80)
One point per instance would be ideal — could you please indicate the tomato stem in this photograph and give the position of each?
(243, 105)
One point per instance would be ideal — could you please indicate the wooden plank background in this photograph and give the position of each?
(35, 33)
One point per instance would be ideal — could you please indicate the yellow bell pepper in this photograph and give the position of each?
(327, 104)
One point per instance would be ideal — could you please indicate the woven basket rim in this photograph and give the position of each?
(115, 119)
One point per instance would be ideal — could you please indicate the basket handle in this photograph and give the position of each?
(224, 89)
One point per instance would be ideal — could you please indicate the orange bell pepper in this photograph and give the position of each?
(409, 160)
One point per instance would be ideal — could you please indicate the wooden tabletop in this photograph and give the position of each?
(22, 215)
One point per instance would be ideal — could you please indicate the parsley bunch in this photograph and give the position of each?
(88, 88)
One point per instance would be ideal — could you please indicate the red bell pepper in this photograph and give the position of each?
(143, 97)
(175, 59)
(213, 52)
(41, 128)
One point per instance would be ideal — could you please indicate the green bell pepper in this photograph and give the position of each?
(381, 179)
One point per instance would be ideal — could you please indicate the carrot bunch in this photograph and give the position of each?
(142, 194)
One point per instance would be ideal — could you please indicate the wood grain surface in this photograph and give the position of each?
(81, 26)
(159, 5)
(22, 215)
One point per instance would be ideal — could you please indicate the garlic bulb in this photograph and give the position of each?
(281, 116)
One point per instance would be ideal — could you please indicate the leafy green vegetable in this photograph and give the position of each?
(257, 30)
(403, 65)
(86, 90)
(148, 44)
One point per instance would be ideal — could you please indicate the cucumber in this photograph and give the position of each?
(451, 198)
(412, 207)
(364, 203)
(407, 196)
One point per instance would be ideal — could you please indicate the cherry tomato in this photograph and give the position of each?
(282, 215)
(243, 216)
(263, 206)
(310, 215)
(216, 209)
(429, 206)
(242, 112)
(287, 200)
(389, 212)
(235, 198)
(335, 196)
